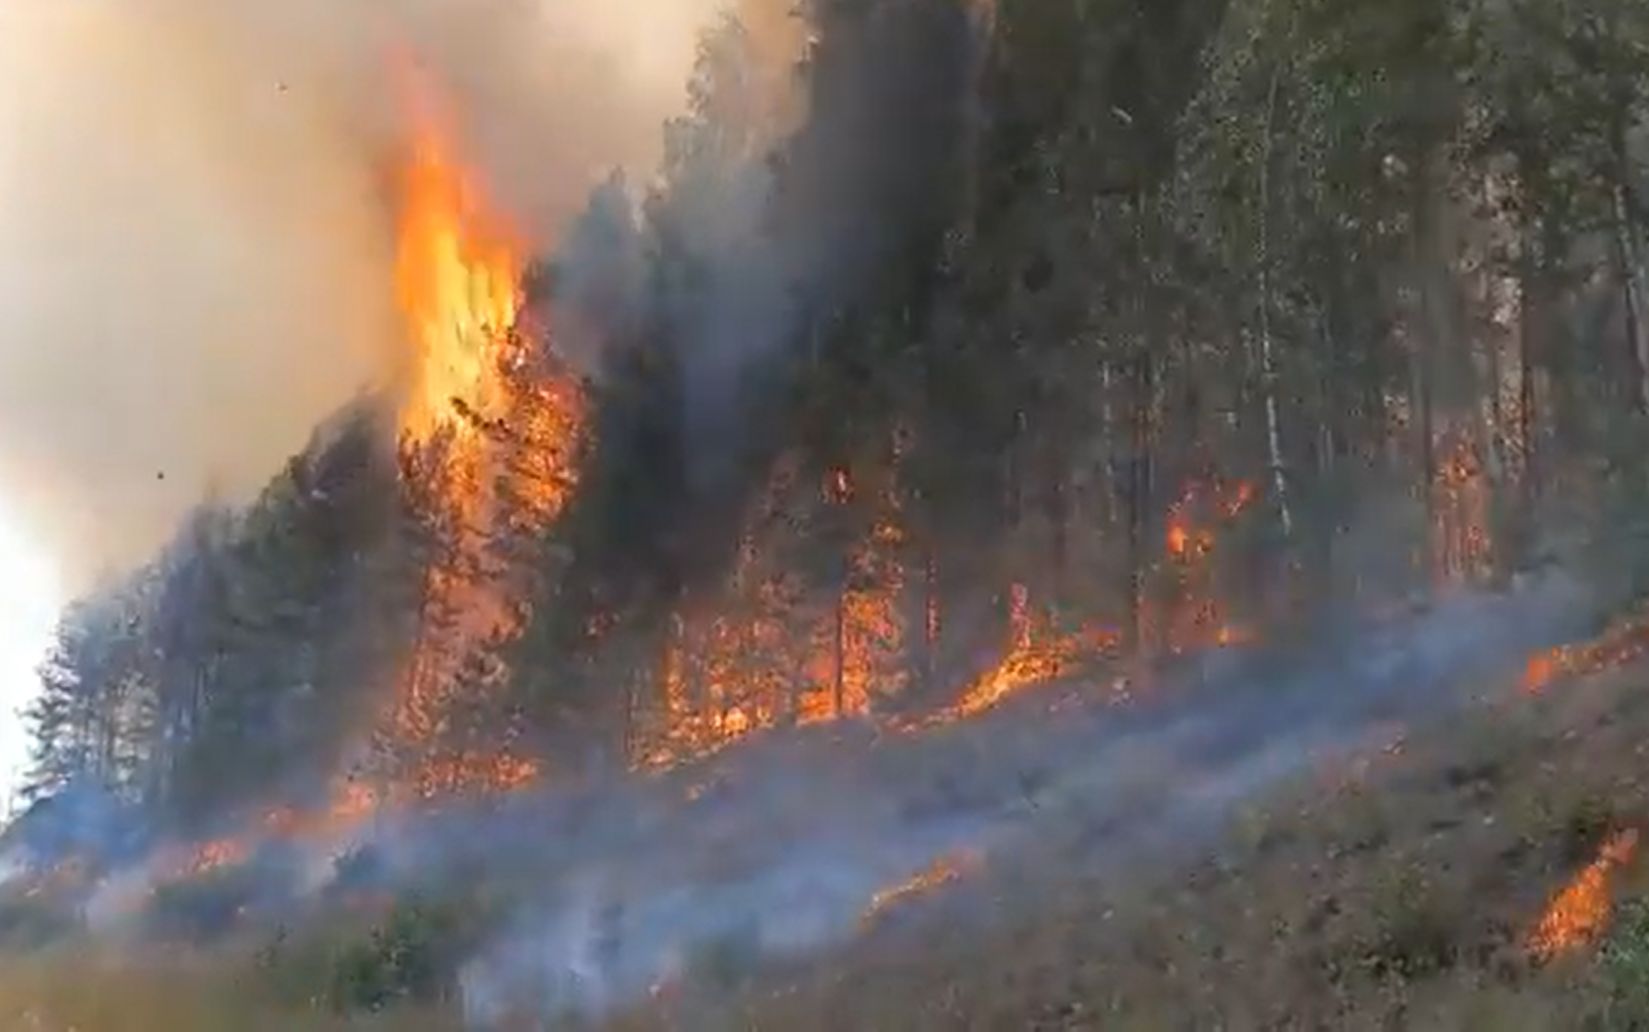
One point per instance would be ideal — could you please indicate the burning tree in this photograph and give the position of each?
(898, 411)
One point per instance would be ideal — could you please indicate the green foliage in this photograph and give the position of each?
(405, 960)
(1624, 964)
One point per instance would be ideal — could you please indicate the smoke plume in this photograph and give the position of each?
(195, 204)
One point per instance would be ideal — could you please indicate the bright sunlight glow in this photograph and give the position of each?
(29, 605)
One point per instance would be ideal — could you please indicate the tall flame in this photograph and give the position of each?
(491, 440)
(457, 279)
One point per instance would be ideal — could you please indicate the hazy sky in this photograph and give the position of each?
(195, 231)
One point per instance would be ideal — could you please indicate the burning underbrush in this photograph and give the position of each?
(602, 896)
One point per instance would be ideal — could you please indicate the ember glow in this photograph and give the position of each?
(1194, 615)
(1460, 532)
(1578, 914)
(212, 856)
(1622, 642)
(946, 870)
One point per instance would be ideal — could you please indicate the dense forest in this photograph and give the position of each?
(956, 344)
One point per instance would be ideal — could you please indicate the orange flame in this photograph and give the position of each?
(944, 870)
(1194, 616)
(207, 857)
(467, 773)
(1579, 913)
(457, 281)
(491, 441)
(1623, 641)
(1461, 539)
(1034, 657)
(773, 656)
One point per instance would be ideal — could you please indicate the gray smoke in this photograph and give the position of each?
(198, 228)
(779, 216)
(785, 849)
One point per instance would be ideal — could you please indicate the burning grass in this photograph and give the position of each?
(1623, 641)
(1577, 915)
(1453, 883)
(943, 871)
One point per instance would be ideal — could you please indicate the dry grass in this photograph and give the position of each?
(100, 992)
(1392, 891)
(1396, 892)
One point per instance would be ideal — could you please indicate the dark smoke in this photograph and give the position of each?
(767, 238)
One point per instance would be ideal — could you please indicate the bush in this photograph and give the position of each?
(1624, 961)
(399, 960)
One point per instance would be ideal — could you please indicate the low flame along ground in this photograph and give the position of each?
(944, 870)
(1626, 639)
(1578, 915)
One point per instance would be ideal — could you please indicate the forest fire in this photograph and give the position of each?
(490, 439)
(945, 870)
(467, 773)
(457, 282)
(212, 856)
(1461, 537)
(1578, 914)
(1622, 642)
(1195, 615)
(1035, 655)
(769, 653)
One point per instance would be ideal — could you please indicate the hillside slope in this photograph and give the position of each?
(1403, 886)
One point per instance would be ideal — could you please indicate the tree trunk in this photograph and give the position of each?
(1268, 361)
(1531, 315)
(1629, 254)
(930, 619)
(1139, 499)
(1428, 340)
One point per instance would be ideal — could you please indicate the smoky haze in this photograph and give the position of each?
(198, 228)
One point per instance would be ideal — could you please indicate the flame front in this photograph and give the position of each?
(943, 871)
(1035, 656)
(1578, 914)
(1622, 642)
